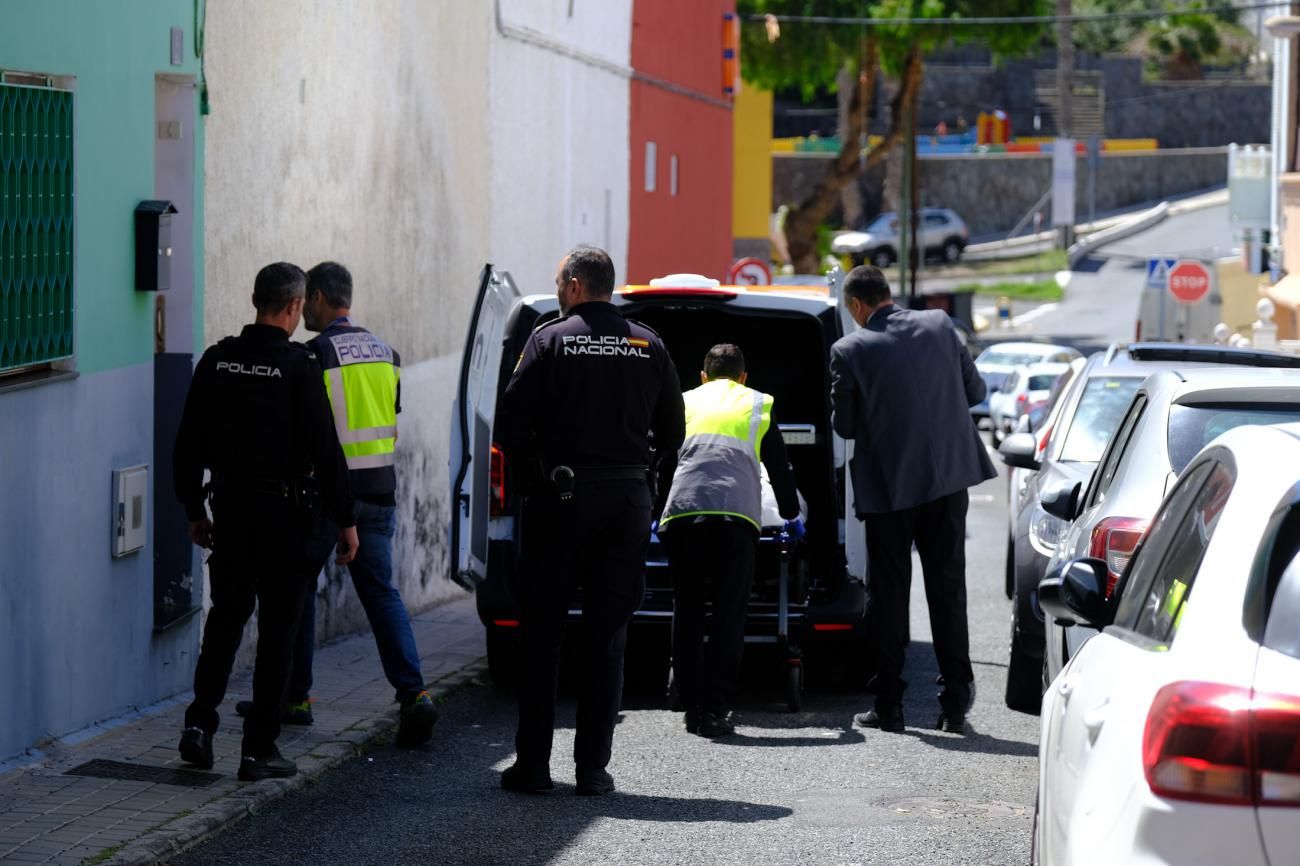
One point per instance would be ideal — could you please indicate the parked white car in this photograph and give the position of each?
(1023, 387)
(943, 234)
(997, 361)
(1173, 736)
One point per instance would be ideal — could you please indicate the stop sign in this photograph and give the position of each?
(1189, 282)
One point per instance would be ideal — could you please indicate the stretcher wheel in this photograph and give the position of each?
(794, 685)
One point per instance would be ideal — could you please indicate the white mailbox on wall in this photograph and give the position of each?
(130, 509)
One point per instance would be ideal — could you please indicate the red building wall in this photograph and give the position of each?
(679, 43)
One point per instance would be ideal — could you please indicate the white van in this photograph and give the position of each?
(786, 333)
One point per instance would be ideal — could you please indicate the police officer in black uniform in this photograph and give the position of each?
(258, 418)
(590, 389)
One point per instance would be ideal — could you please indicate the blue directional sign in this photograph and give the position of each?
(1158, 272)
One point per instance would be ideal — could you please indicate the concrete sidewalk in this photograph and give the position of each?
(146, 805)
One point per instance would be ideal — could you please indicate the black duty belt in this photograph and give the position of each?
(301, 491)
(564, 478)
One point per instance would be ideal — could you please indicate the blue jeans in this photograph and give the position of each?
(372, 576)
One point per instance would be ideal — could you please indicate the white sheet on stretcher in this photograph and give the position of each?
(771, 513)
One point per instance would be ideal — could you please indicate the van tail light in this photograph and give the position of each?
(1216, 743)
(1113, 541)
(497, 482)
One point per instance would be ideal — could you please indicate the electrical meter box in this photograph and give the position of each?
(130, 509)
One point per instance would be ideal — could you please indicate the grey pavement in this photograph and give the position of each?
(48, 816)
(1101, 305)
(790, 788)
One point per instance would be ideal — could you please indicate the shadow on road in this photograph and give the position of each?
(974, 741)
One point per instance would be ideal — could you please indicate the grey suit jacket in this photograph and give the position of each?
(901, 389)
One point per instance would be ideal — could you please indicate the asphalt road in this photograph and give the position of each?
(806, 788)
(1101, 301)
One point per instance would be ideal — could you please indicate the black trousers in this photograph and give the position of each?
(595, 542)
(712, 563)
(938, 529)
(260, 558)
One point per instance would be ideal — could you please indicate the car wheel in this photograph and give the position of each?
(1011, 567)
(503, 655)
(1024, 677)
(952, 251)
(883, 257)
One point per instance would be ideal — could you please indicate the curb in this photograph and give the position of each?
(1139, 223)
(184, 833)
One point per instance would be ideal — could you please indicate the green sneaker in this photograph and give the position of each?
(294, 714)
(418, 716)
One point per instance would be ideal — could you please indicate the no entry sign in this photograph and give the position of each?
(1189, 282)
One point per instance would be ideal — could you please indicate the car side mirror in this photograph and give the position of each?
(1076, 594)
(1021, 451)
(1062, 500)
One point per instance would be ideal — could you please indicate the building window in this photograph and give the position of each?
(651, 157)
(36, 293)
(672, 176)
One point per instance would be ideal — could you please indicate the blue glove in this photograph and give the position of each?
(794, 529)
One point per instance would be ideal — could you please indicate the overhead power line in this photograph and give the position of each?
(1014, 19)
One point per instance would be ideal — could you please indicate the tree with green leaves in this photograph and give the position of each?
(784, 52)
(1178, 43)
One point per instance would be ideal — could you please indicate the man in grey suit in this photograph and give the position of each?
(901, 389)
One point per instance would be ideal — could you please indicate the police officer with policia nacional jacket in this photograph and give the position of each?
(257, 418)
(590, 390)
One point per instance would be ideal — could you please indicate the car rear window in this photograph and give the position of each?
(1101, 408)
(1009, 359)
(1043, 382)
(1193, 426)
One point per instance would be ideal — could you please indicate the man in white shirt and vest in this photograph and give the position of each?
(710, 526)
(362, 380)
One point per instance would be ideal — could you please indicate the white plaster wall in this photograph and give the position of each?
(559, 132)
(357, 132)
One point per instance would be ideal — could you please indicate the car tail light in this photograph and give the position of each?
(1044, 436)
(1022, 403)
(1215, 743)
(497, 482)
(1114, 540)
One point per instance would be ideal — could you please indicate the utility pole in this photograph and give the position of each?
(1064, 70)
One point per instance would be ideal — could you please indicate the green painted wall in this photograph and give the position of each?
(113, 50)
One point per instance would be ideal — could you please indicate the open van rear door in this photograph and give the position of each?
(851, 533)
(471, 426)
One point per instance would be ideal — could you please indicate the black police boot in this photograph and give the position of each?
(196, 748)
(272, 765)
(692, 721)
(525, 780)
(885, 717)
(713, 725)
(594, 783)
(418, 716)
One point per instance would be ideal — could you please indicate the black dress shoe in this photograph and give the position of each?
(692, 721)
(714, 726)
(883, 718)
(952, 723)
(594, 783)
(196, 748)
(272, 765)
(524, 781)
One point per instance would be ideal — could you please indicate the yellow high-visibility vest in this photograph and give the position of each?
(718, 464)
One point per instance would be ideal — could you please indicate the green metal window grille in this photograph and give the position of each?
(36, 292)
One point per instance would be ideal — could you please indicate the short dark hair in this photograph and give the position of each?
(724, 361)
(868, 285)
(593, 268)
(333, 281)
(276, 285)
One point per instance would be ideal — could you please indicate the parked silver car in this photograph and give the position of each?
(943, 234)
(1171, 417)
